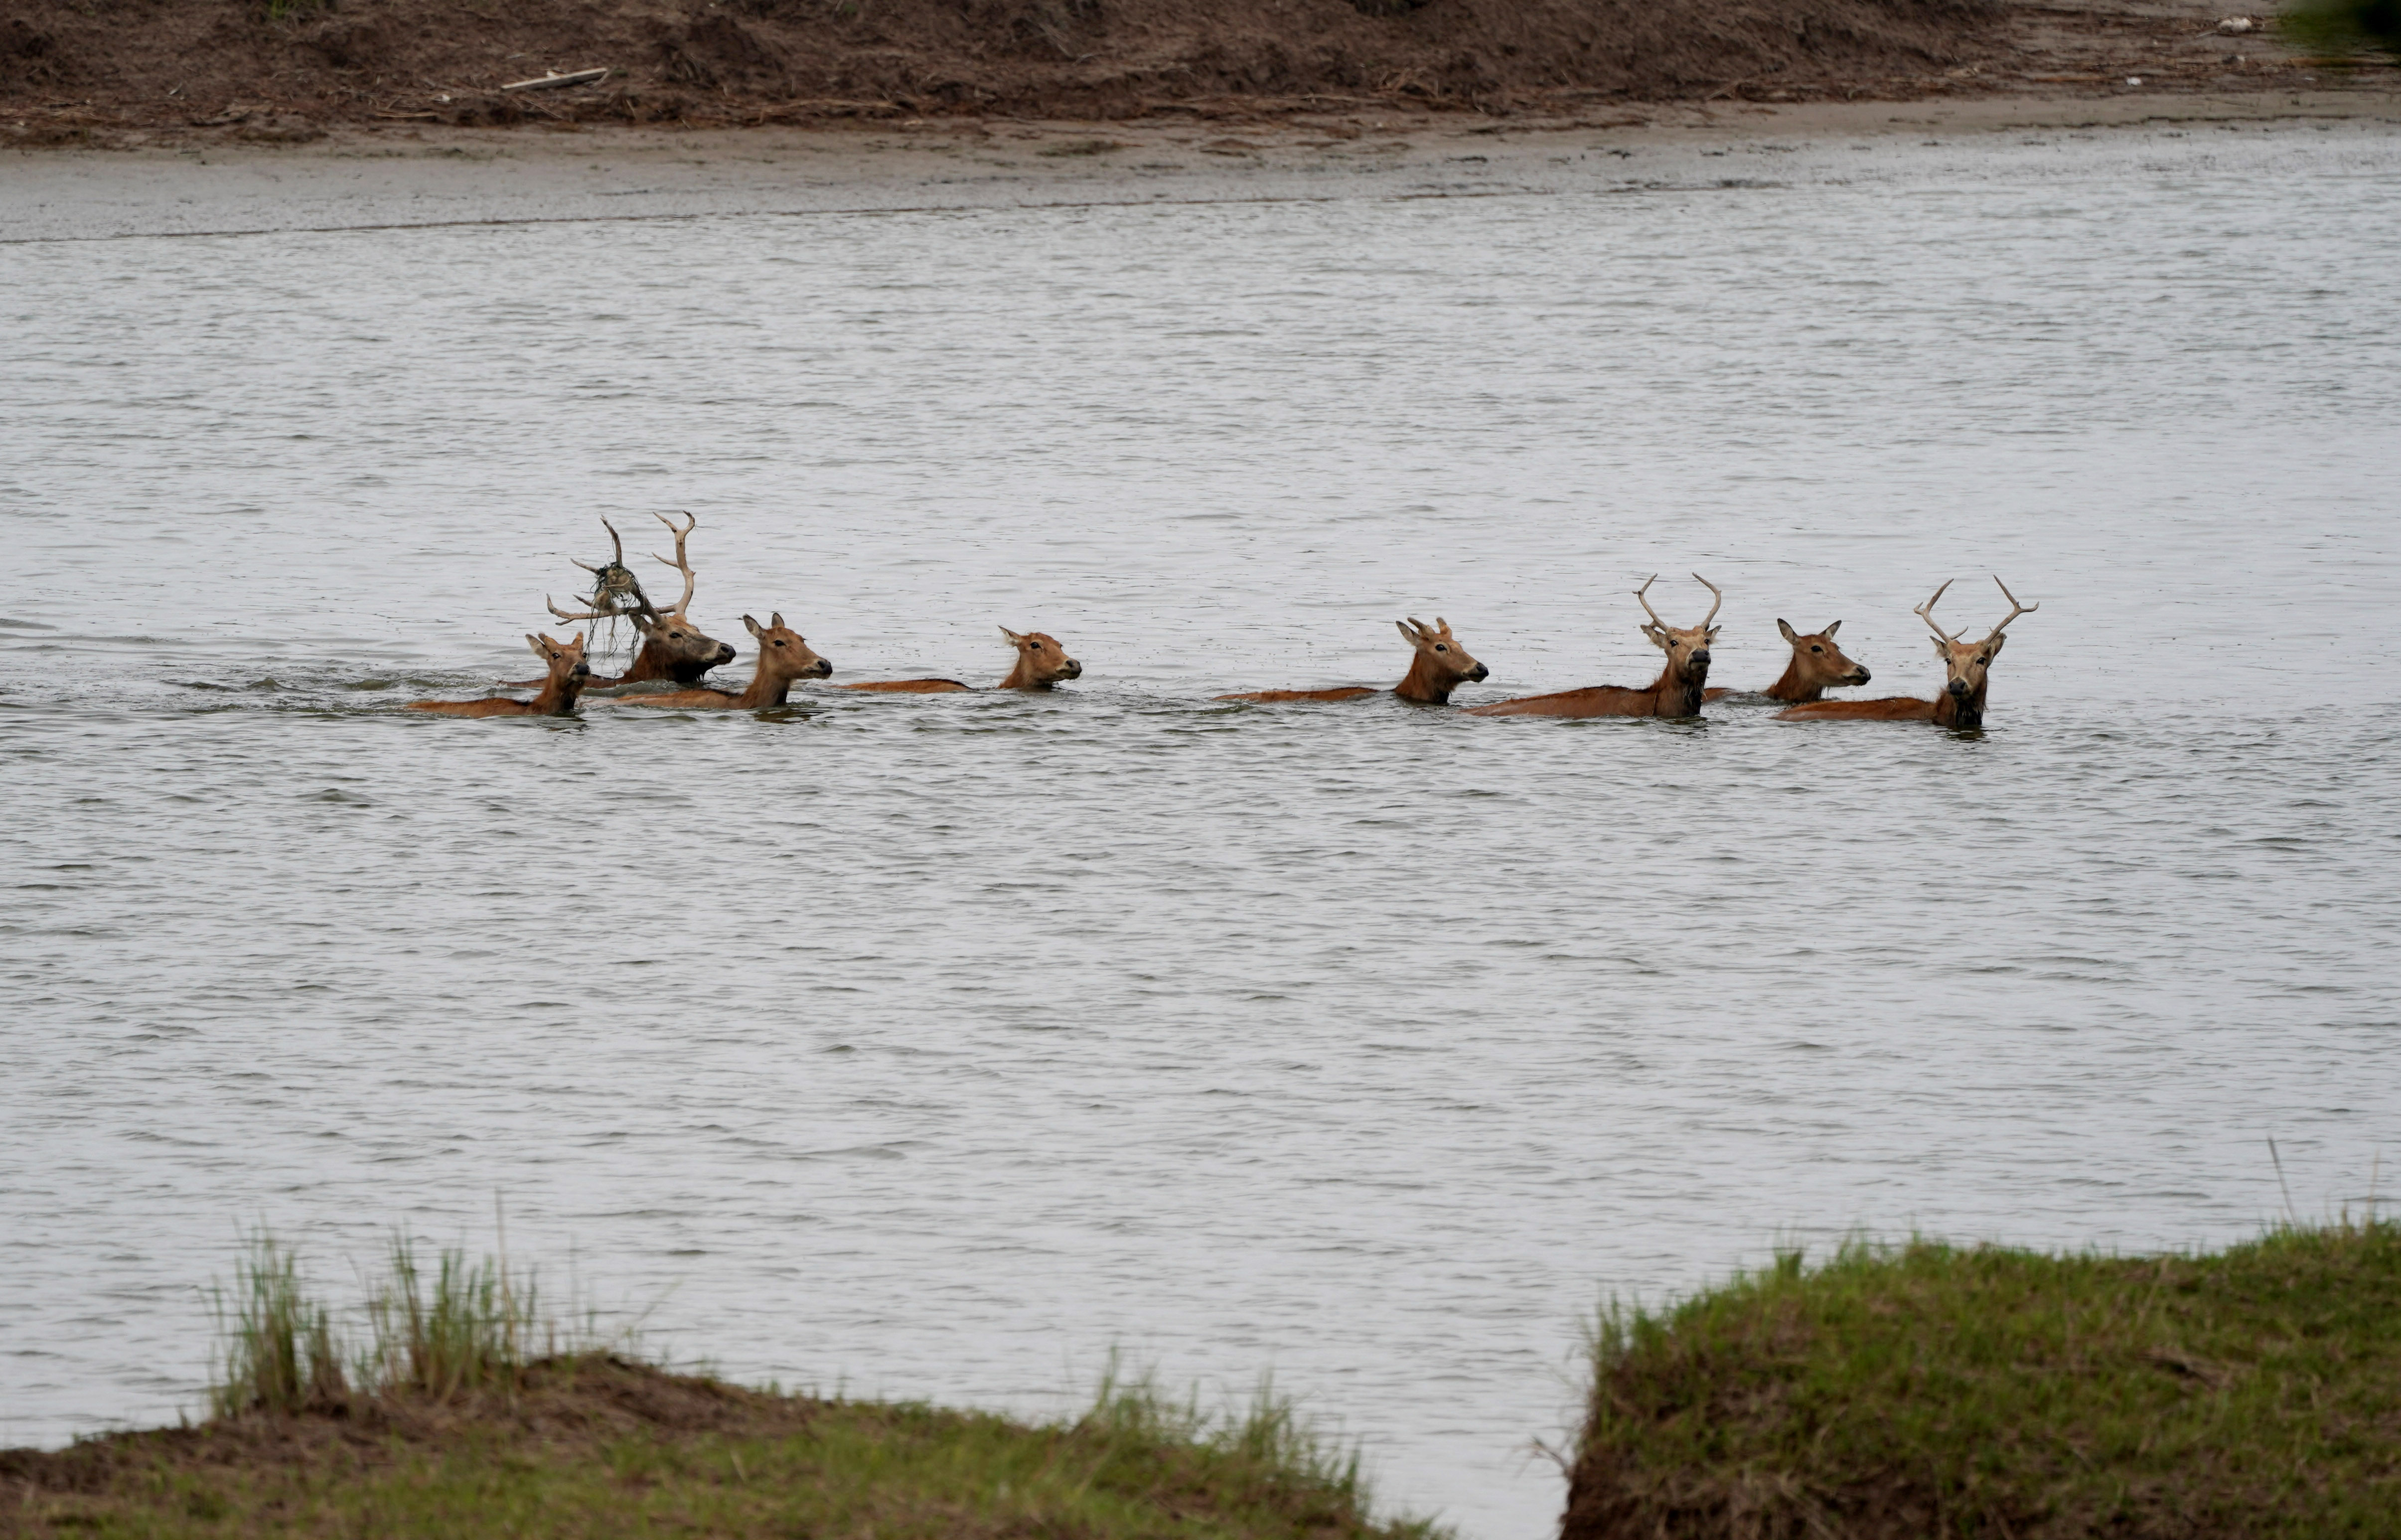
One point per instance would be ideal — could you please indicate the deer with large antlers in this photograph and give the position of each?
(673, 649)
(567, 674)
(1440, 665)
(1041, 663)
(1961, 704)
(1817, 665)
(1676, 692)
(784, 656)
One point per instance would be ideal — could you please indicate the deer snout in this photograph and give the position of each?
(725, 654)
(820, 669)
(1070, 668)
(1701, 658)
(580, 670)
(1478, 674)
(1959, 689)
(1858, 676)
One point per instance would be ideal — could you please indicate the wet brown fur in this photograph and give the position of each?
(1438, 665)
(1817, 665)
(569, 674)
(1677, 691)
(784, 656)
(1961, 705)
(1041, 662)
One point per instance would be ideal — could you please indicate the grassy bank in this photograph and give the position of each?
(453, 1415)
(1932, 1391)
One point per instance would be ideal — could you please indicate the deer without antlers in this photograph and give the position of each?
(1676, 692)
(1041, 663)
(1817, 665)
(784, 656)
(567, 674)
(1962, 701)
(1440, 665)
(673, 648)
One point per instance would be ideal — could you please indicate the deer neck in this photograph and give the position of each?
(767, 688)
(1677, 693)
(1426, 684)
(559, 694)
(1022, 676)
(1792, 687)
(1951, 711)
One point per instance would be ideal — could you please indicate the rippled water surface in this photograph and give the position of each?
(935, 1045)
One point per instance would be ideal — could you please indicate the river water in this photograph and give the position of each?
(933, 1047)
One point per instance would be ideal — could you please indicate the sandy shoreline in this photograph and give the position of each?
(425, 178)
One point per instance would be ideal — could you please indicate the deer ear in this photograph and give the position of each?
(1657, 636)
(1014, 639)
(775, 618)
(1999, 642)
(1406, 635)
(1832, 629)
(642, 625)
(755, 628)
(1784, 629)
(540, 651)
(1444, 624)
(1940, 650)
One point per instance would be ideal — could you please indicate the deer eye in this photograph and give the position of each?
(1034, 645)
(1440, 648)
(779, 642)
(1817, 649)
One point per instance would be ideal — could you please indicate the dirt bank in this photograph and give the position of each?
(287, 69)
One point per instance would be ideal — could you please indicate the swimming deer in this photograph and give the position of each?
(1441, 666)
(673, 648)
(1676, 692)
(1817, 665)
(784, 656)
(1041, 663)
(568, 675)
(1962, 701)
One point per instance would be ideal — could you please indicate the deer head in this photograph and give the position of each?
(783, 653)
(673, 648)
(1970, 663)
(1441, 664)
(1041, 662)
(568, 670)
(1687, 646)
(1817, 664)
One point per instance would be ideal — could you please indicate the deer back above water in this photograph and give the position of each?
(1683, 675)
(1438, 665)
(559, 691)
(1041, 663)
(673, 648)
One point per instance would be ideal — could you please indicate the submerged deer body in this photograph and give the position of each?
(1041, 663)
(1684, 677)
(1961, 704)
(673, 649)
(567, 674)
(1817, 665)
(784, 656)
(1440, 665)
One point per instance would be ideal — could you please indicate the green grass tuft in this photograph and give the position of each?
(1928, 1390)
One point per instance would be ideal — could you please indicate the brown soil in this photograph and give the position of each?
(284, 69)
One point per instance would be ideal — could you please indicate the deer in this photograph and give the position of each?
(673, 648)
(784, 656)
(1961, 705)
(1817, 665)
(568, 673)
(1440, 665)
(1041, 663)
(1676, 692)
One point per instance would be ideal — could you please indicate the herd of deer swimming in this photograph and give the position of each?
(674, 652)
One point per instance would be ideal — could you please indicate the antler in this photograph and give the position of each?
(592, 614)
(680, 564)
(1646, 603)
(615, 539)
(1926, 612)
(1714, 608)
(2015, 608)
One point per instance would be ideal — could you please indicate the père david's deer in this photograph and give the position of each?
(1962, 701)
(1440, 665)
(784, 656)
(1041, 663)
(1676, 692)
(1817, 665)
(567, 674)
(673, 648)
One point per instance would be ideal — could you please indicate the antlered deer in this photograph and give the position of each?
(1441, 666)
(784, 656)
(1817, 665)
(673, 648)
(1676, 692)
(1962, 701)
(567, 674)
(1041, 663)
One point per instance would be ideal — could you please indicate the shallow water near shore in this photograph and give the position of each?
(934, 1046)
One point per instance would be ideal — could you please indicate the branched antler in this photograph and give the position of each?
(680, 564)
(1639, 593)
(1715, 607)
(1926, 612)
(2015, 608)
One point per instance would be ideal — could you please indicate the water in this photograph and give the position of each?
(934, 1046)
